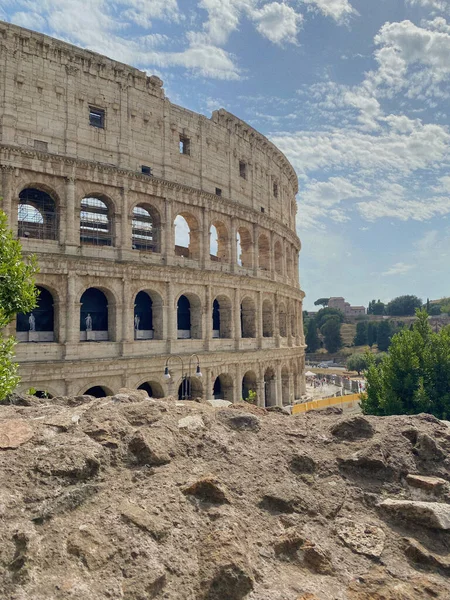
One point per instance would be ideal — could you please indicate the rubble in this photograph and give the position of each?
(133, 498)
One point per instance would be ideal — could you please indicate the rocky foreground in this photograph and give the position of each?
(133, 498)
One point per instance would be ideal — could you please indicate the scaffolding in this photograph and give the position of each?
(37, 217)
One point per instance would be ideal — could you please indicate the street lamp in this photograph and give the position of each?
(186, 381)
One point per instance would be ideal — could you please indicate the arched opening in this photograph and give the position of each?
(153, 389)
(270, 394)
(190, 389)
(263, 252)
(96, 221)
(282, 319)
(285, 387)
(97, 391)
(187, 239)
(248, 318)
(143, 317)
(278, 255)
(37, 216)
(249, 386)
(244, 248)
(267, 318)
(148, 316)
(44, 394)
(37, 325)
(223, 387)
(189, 317)
(94, 316)
(218, 242)
(221, 317)
(146, 228)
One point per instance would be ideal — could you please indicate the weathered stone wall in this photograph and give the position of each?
(48, 144)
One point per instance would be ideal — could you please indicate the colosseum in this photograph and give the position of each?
(166, 240)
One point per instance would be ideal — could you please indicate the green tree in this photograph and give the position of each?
(376, 307)
(434, 310)
(403, 306)
(327, 313)
(357, 362)
(312, 339)
(414, 376)
(372, 333)
(384, 334)
(17, 294)
(321, 302)
(360, 338)
(331, 331)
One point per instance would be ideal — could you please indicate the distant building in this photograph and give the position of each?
(342, 305)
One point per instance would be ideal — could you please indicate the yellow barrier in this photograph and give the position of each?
(323, 403)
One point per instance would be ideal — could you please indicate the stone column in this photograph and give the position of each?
(259, 319)
(288, 324)
(206, 241)
(127, 314)
(233, 242)
(170, 317)
(73, 306)
(6, 193)
(278, 386)
(71, 239)
(271, 256)
(237, 391)
(276, 313)
(237, 319)
(125, 222)
(255, 249)
(260, 386)
(168, 236)
(291, 388)
(207, 320)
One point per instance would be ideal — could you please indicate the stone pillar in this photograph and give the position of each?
(233, 242)
(237, 319)
(237, 388)
(207, 320)
(255, 249)
(6, 193)
(278, 386)
(288, 324)
(127, 314)
(259, 319)
(168, 235)
(207, 384)
(125, 221)
(260, 387)
(73, 306)
(291, 388)
(71, 238)
(271, 256)
(276, 313)
(206, 241)
(170, 317)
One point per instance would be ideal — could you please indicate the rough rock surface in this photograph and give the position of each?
(132, 498)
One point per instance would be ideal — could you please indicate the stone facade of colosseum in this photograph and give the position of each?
(96, 166)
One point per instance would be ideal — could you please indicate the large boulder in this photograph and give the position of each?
(434, 515)
(353, 429)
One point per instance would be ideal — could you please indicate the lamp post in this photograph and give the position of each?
(186, 381)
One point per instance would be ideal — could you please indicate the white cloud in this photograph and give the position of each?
(277, 22)
(439, 5)
(339, 10)
(398, 269)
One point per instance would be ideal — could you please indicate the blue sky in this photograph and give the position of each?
(355, 92)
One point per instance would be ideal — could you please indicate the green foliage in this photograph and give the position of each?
(357, 362)
(251, 398)
(327, 313)
(376, 308)
(331, 331)
(403, 306)
(434, 310)
(384, 334)
(312, 339)
(17, 294)
(372, 333)
(360, 338)
(322, 302)
(414, 376)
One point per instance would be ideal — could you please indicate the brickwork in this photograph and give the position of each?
(49, 145)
